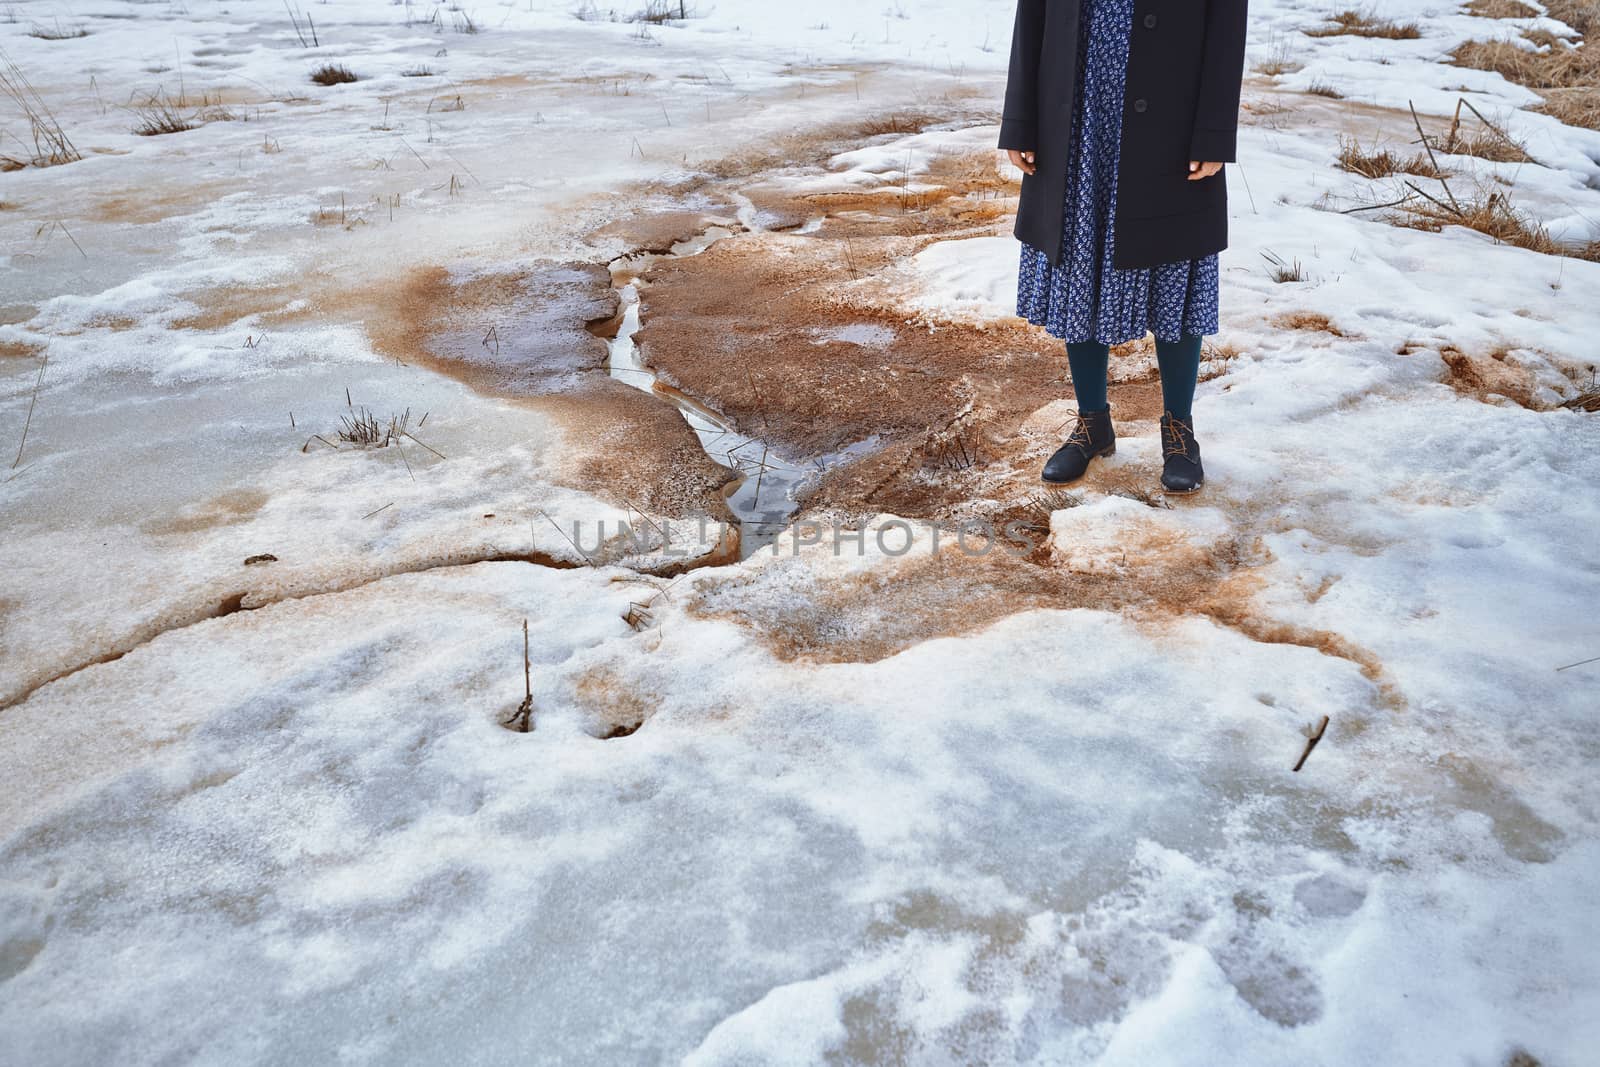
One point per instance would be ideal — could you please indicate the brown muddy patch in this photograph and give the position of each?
(987, 453)
(1483, 377)
(873, 613)
(228, 509)
(1237, 612)
(146, 206)
(815, 145)
(799, 339)
(613, 707)
(19, 349)
(772, 331)
(280, 303)
(625, 445)
(1312, 321)
(1163, 574)
(511, 332)
(529, 335)
(655, 232)
(868, 615)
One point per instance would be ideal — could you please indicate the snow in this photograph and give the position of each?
(297, 831)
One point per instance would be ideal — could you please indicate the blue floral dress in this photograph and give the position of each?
(1084, 298)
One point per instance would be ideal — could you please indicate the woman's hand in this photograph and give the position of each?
(1198, 170)
(1023, 161)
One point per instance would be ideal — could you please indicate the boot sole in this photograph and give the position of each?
(1109, 450)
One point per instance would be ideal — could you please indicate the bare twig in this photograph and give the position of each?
(578, 548)
(1374, 207)
(522, 719)
(29, 421)
(413, 437)
(1431, 158)
(1502, 134)
(1311, 742)
(1456, 210)
(637, 511)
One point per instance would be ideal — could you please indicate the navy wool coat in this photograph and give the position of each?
(1185, 67)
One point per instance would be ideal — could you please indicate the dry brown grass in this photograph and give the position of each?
(1483, 144)
(1489, 212)
(1313, 321)
(1581, 15)
(1324, 89)
(1553, 64)
(333, 74)
(1501, 9)
(1567, 76)
(160, 117)
(969, 171)
(1481, 139)
(1379, 162)
(51, 145)
(1575, 107)
(1366, 24)
(1279, 62)
(1277, 65)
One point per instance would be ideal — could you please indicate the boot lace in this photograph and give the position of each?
(1081, 435)
(1173, 440)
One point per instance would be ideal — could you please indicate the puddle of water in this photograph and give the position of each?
(865, 334)
(766, 496)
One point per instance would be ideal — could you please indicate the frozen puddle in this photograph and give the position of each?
(865, 334)
(765, 496)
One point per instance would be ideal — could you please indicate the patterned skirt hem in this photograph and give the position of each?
(1040, 316)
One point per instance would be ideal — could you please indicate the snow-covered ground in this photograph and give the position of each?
(849, 800)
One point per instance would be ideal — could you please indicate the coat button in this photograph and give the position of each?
(1141, 105)
(1150, 22)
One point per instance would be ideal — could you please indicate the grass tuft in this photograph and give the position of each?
(333, 74)
(1281, 270)
(1581, 15)
(1489, 212)
(660, 11)
(51, 145)
(57, 32)
(363, 429)
(1366, 24)
(1501, 9)
(159, 117)
(1376, 162)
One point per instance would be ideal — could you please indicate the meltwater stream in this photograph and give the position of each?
(764, 498)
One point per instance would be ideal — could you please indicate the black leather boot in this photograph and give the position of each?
(1180, 469)
(1092, 436)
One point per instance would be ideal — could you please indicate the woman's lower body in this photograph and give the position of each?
(1092, 305)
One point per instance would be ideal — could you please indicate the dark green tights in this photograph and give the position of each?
(1180, 368)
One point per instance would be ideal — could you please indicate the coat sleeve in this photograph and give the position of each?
(1019, 122)
(1216, 122)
